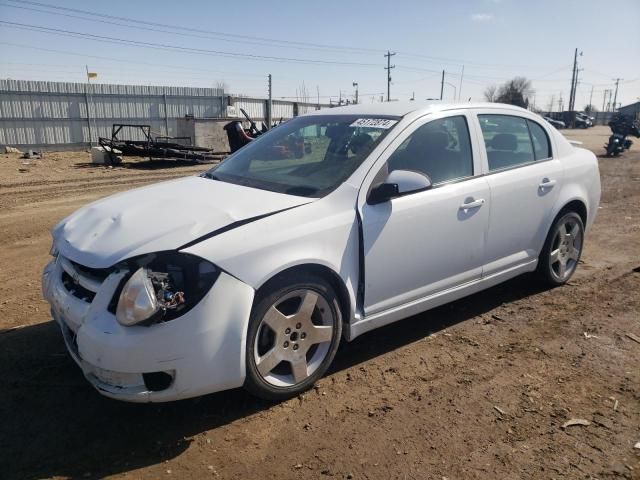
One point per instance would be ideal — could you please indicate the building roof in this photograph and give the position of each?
(403, 108)
(633, 106)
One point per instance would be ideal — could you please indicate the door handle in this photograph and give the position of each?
(546, 183)
(472, 204)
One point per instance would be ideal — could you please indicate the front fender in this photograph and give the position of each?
(324, 232)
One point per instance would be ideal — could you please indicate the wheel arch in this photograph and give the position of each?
(569, 203)
(575, 205)
(325, 272)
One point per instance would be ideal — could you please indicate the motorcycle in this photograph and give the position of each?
(621, 126)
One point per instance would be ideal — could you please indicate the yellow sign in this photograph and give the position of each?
(92, 75)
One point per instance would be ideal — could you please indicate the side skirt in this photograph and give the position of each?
(371, 322)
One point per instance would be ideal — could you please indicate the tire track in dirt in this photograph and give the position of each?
(44, 187)
(72, 189)
(116, 175)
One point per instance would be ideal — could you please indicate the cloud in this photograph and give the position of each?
(482, 17)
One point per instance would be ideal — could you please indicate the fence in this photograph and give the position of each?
(60, 115)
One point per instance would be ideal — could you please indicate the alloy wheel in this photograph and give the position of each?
(294, 337)
(566, 248)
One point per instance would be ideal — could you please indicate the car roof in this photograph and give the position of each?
(400, 109)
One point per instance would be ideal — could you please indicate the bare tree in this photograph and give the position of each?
(221, 84)
(491, 93)
(302, 93)
(516, 91)
(552, 101)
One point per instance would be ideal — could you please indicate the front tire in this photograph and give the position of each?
(562, 249)
(294, 333)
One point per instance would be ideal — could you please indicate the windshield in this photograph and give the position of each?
(306, 156)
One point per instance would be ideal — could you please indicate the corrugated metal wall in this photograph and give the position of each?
(37, 114)
(54, 114)
(255, 108)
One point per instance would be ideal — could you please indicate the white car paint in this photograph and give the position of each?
(160, 217)
(391, 260)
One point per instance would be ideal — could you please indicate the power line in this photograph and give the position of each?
(105, 69)
(163, 46)
(190, 28)
(416, 69)
(225, 36)
(615, 96)
(460, 62)
(211, 35)
(122, 60)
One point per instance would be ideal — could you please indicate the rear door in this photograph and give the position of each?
(524, 178)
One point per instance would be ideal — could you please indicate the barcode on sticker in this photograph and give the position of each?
(374, 123)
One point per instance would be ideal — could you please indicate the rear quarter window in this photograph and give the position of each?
(540, 139)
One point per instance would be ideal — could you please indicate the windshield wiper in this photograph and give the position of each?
(211, 176)
(301, 190)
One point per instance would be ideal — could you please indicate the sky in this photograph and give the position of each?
(318, 50)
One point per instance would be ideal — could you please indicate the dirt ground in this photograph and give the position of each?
(480, 388)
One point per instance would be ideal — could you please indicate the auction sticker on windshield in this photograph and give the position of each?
(374, 123)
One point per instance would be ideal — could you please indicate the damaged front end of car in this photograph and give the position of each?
(156, 327)
(161, 287)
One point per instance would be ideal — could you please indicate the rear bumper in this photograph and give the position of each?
(203, 351)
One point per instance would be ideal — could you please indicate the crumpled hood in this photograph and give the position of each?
(160, 217)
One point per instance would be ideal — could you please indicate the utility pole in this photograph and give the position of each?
(591, 98)
(615, 95)
(442, 85)
(575, 88)
(604, 99)
(573, 78)
(355, 84)
(388, 69)
(269, 105)
(86, 100)
(460, 89)
(454, 89)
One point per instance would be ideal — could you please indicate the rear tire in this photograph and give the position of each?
(293, 335)
(562, 249)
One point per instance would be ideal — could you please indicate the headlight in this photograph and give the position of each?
(163, 286)
(138, 300)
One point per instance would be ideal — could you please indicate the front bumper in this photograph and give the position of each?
(203, 351)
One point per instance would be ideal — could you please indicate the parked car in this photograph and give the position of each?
(556, 123)
(251, 273)
(583, 120)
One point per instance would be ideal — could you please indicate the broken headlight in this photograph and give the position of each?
(163, 286)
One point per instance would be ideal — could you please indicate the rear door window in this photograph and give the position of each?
(507, 141)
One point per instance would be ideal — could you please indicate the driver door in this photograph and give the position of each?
(428, 241)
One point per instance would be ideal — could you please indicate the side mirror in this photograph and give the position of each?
(382, 193)
(409, 180)
(399, 182)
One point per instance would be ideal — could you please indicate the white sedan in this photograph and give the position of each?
(328, 226)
